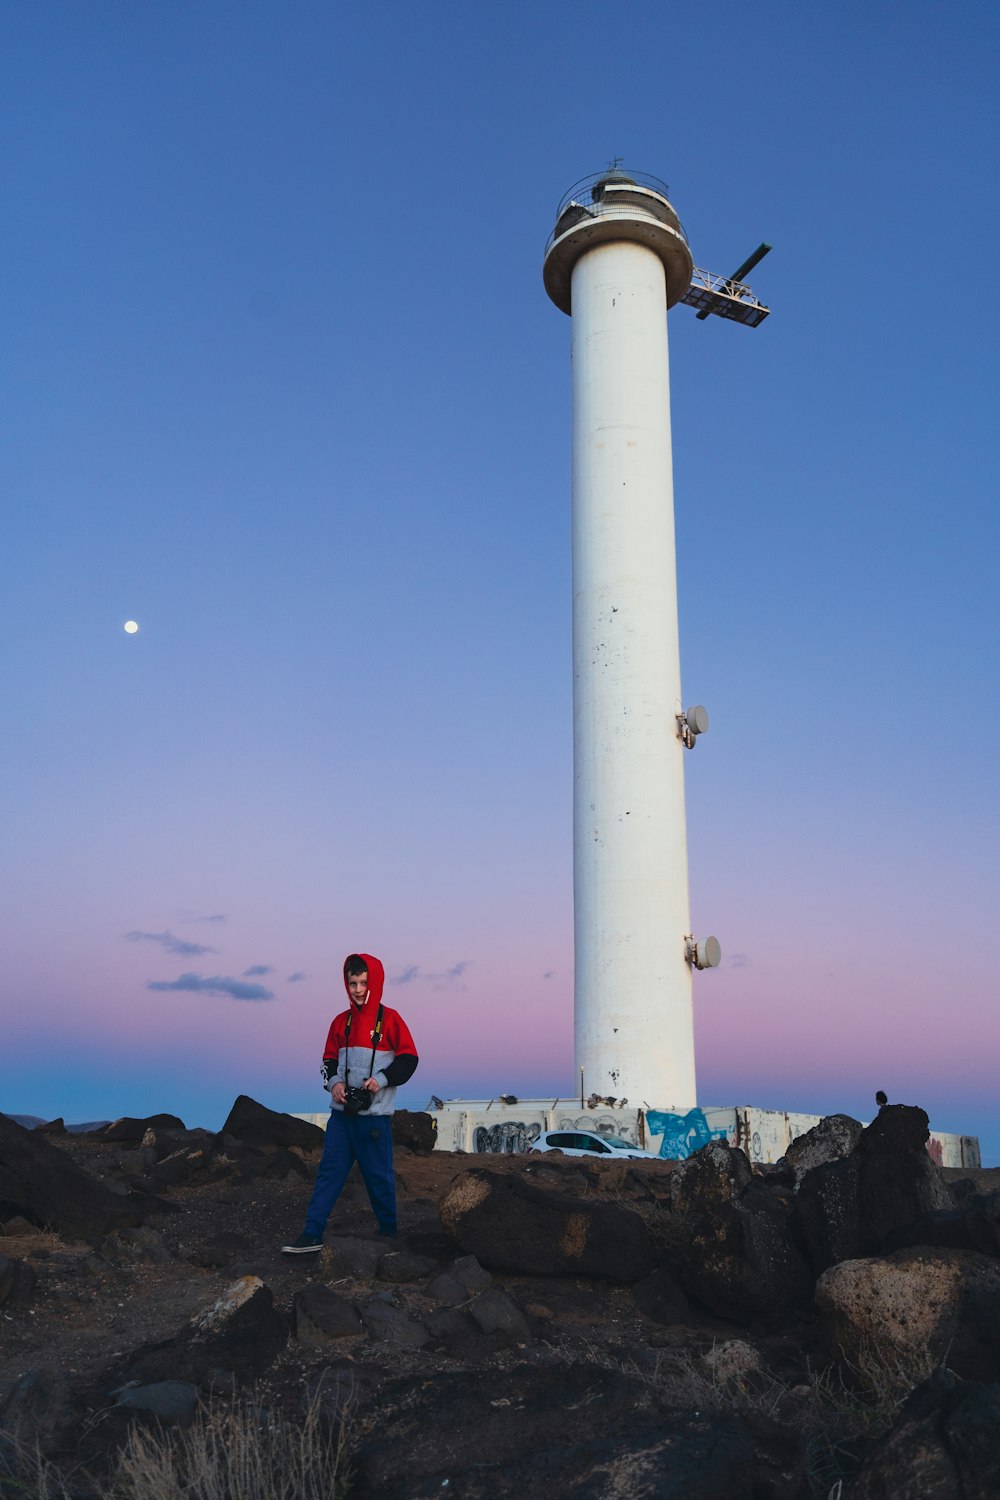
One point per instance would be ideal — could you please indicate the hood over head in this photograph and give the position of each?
(376, 978)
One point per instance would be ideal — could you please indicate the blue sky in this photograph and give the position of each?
(282, 384)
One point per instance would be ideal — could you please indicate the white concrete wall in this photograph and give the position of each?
(484, 1125)
(633, 1022)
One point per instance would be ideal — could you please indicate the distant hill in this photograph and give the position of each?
(31, 1121)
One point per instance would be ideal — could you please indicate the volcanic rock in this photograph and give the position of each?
(359, 1257)
(847, 1208)
(915, 1305)
(462, 1280)
(19, 1227)
(257, 1125)
(320, 1316)
(156, 1143)
(250, 1162)
(415, 1130)
(132, 1131)
(40, 1182)
(659, 1298)
(41, 1410)
(387, 1323)
(511, 1225)
(716, 1174)
(134, 1244)
(942, 1447)
(241, 1331)
(495, 1312)
(171, 1402)
(832, 1139)
(182, 1165)
(402, 1265)
(976, 1226)
(744, 1261)
(509, 1437)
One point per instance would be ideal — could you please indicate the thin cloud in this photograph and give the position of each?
(171, 944)
(739, 961)
(197, 916)
(196, 984)
(297, 976)
(255, 971)
(548, 973)
(446, 979)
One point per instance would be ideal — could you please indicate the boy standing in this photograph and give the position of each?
(369, 1052)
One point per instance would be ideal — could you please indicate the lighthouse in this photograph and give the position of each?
(617, 260)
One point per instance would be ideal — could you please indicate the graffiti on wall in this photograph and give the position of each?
(682, 1134)
(505, 1137)
(599, 1125)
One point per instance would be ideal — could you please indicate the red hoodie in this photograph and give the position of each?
(395, 1055)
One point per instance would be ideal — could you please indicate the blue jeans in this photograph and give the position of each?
(367, 1140)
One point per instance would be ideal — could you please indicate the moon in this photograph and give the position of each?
(130, 627)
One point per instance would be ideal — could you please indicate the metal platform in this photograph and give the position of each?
(725, 297)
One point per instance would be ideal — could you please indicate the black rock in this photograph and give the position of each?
(182, 1165)
(38, 1181)
(42, 1410)
(943, 1445)
(415, 1130)
(386, 1323)
(256, 1125)
(403, 1265)
(848, 1208)
(947, 1229)
(511, 1225)
(744, 1260)
(171, 1403)
(130, 1245)
(160, 1143)
(243, 1332)
(131, 1130)
(322, 1316)
(714, 1175)
(576, 1432)
(659, 1298)
(494, 1312)
(835, 1137)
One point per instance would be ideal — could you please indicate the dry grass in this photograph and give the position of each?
(235, 1450)
(838, 1410)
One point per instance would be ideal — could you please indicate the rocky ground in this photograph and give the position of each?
(541, 1326)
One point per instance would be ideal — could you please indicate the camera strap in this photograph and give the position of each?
(376, 1035)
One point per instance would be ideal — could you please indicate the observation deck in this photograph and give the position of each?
(612, 206)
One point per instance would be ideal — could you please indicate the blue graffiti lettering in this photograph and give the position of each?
(682, 1134)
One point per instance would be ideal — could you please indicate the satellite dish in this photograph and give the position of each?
(708, 954)
(697, 719)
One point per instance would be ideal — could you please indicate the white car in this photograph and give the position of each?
(587, 1143)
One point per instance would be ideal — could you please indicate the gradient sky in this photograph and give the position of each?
(282, 384)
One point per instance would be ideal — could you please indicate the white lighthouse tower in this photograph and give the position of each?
(617, 259)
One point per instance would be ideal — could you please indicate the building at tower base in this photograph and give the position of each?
(493, 1127)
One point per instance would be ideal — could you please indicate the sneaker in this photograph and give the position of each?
(306, 1244)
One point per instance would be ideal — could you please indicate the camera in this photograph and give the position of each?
(356, 1101)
